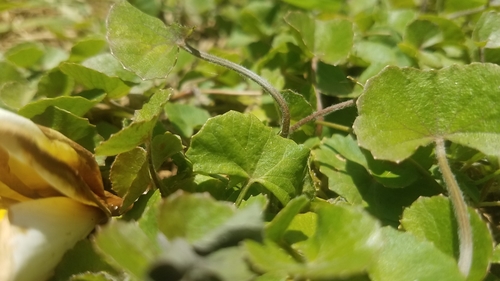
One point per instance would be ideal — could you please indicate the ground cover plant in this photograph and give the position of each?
(249, 140)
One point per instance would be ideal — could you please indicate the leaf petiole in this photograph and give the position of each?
(285, 112)
(459, 208)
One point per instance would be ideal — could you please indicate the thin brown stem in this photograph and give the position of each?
(323, 112)
(285, 113)
(459, 208)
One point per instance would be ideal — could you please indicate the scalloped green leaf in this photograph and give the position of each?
(93, 79)
(432, 219)
(241, 147)
(345, 243)
(139, 130)
(404, 108)
(328, 40)
(404, 257)
(142, 43)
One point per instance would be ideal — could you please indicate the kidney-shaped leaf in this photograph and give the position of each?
(143, 43)
(404, 257)
(330, 41)
(241, 146)
(432, 219)
(404, 108)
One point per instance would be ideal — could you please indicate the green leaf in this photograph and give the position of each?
(25, 54)
(345, 243)
(486, 33)
(125, 246)
(459, 5)
(109, 65)
(86, 48)
(130, 175)
(299, 108)
(92, 79)
(143, 43)
(332, 81)
(432, 219)
(163, 147)
(496, 254)
(74, 127)
(404, 257)
(54, 83)
(330, 41)
(139, 130)
(74, 104)
(82, 258)
(423, 34)
(322, 5)
(240, 146)
(387, 173)
(186, 118)
(15, 94)
(208, 224)
(277, 227)
(402, 109)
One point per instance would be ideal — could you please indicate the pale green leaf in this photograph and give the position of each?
(126, 247)
(74, 104)
(402, 109)
(432, 219)
(142, 43)
(92, 79)
(487, 30)
(345, 243)
(404, 257)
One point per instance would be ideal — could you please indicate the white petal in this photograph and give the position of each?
(35, 235)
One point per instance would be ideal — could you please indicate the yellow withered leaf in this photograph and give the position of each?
(38, 162)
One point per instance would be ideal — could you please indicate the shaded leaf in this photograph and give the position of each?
(130, 175)
(186, 118)
(163, 147)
